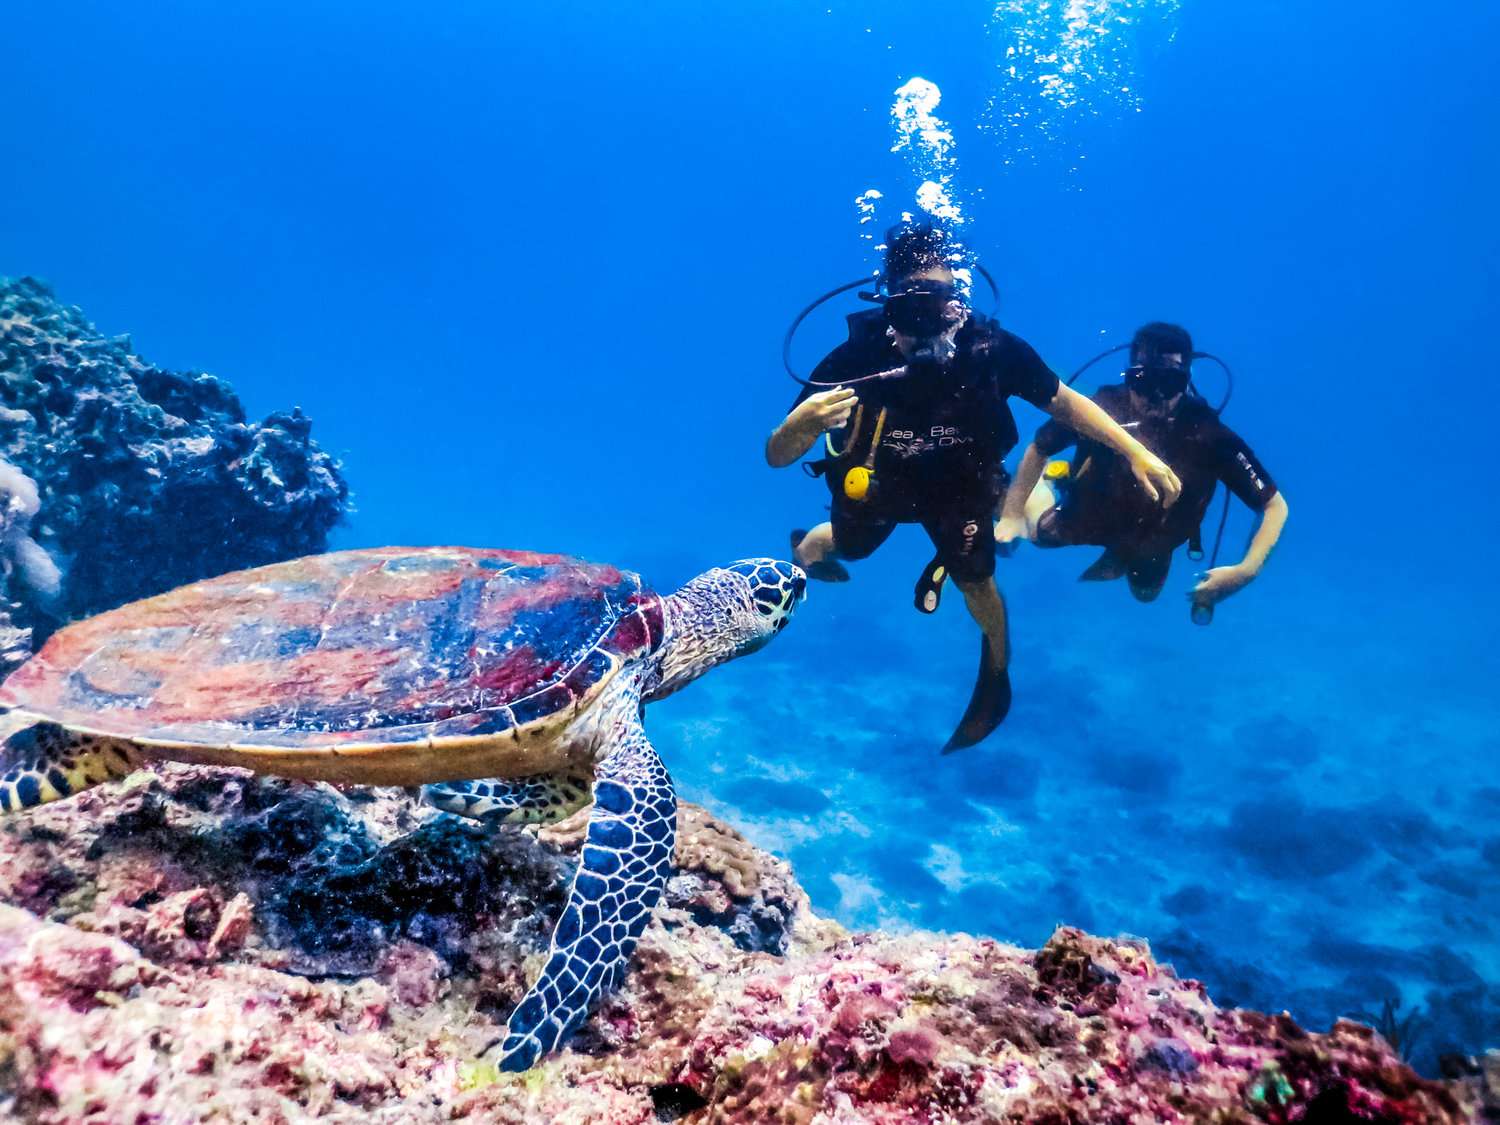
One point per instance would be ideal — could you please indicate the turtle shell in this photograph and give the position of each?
(366, 650)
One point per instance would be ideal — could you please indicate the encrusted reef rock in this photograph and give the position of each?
(204, 945)
(1482, 1073)
(29, 579)
(144, 478)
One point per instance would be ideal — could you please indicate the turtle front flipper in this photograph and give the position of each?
(539, 799)
(41, 761)
(627, 856)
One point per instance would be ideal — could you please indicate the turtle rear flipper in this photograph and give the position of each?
(539, 799)
(627, 856)
(41, 761)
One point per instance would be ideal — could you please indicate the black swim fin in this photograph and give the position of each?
(829, 570)
(929, 589)
(1106, 568)
(988, 706)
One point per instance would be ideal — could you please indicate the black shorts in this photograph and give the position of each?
(1145, 565)
(963, 533)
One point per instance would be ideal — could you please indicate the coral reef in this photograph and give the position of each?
(29, 579)
(197, 945)
(144, 478)
(1043, 825)
(1482, 1074)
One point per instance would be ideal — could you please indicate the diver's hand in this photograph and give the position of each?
(826, 410)
(1010, 533)
(808, 421)
(1218, 583)
(1156, 477)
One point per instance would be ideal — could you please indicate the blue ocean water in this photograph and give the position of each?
(528, 267)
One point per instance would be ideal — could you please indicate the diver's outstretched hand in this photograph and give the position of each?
(1218, 583)
(1156, 477)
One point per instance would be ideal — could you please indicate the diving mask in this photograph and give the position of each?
(929, 314)
(1157, 380)
(926, 309)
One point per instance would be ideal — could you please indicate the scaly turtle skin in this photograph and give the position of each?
(509, 684)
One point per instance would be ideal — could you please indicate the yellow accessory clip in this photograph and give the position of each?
(1057, 470)
(857, 481)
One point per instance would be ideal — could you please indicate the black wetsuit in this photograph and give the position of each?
(943, 444)
(1105, 506)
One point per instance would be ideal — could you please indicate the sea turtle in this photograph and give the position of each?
(509, 684)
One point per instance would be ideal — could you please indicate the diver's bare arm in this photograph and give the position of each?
(788, 442)
(1218, 583)
(1087, 417)
(1028, 472)
(1267, 532)
(809, 419)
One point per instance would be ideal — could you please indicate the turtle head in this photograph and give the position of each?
(724, 613)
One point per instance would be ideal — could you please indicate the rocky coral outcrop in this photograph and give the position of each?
(1482, 1074)
(29, 578)
(146, 478)
(198, 945)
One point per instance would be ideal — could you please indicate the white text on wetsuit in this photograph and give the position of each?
(907, 443)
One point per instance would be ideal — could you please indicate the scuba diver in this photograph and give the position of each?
(918, 397)
(1099, 504)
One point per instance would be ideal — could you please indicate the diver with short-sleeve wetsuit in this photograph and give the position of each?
(1099, 504)
(942, 431)
(916, 402)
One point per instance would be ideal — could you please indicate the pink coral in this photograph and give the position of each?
(159, 988)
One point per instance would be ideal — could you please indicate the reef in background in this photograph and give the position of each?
(197, 944)
(142, 479)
